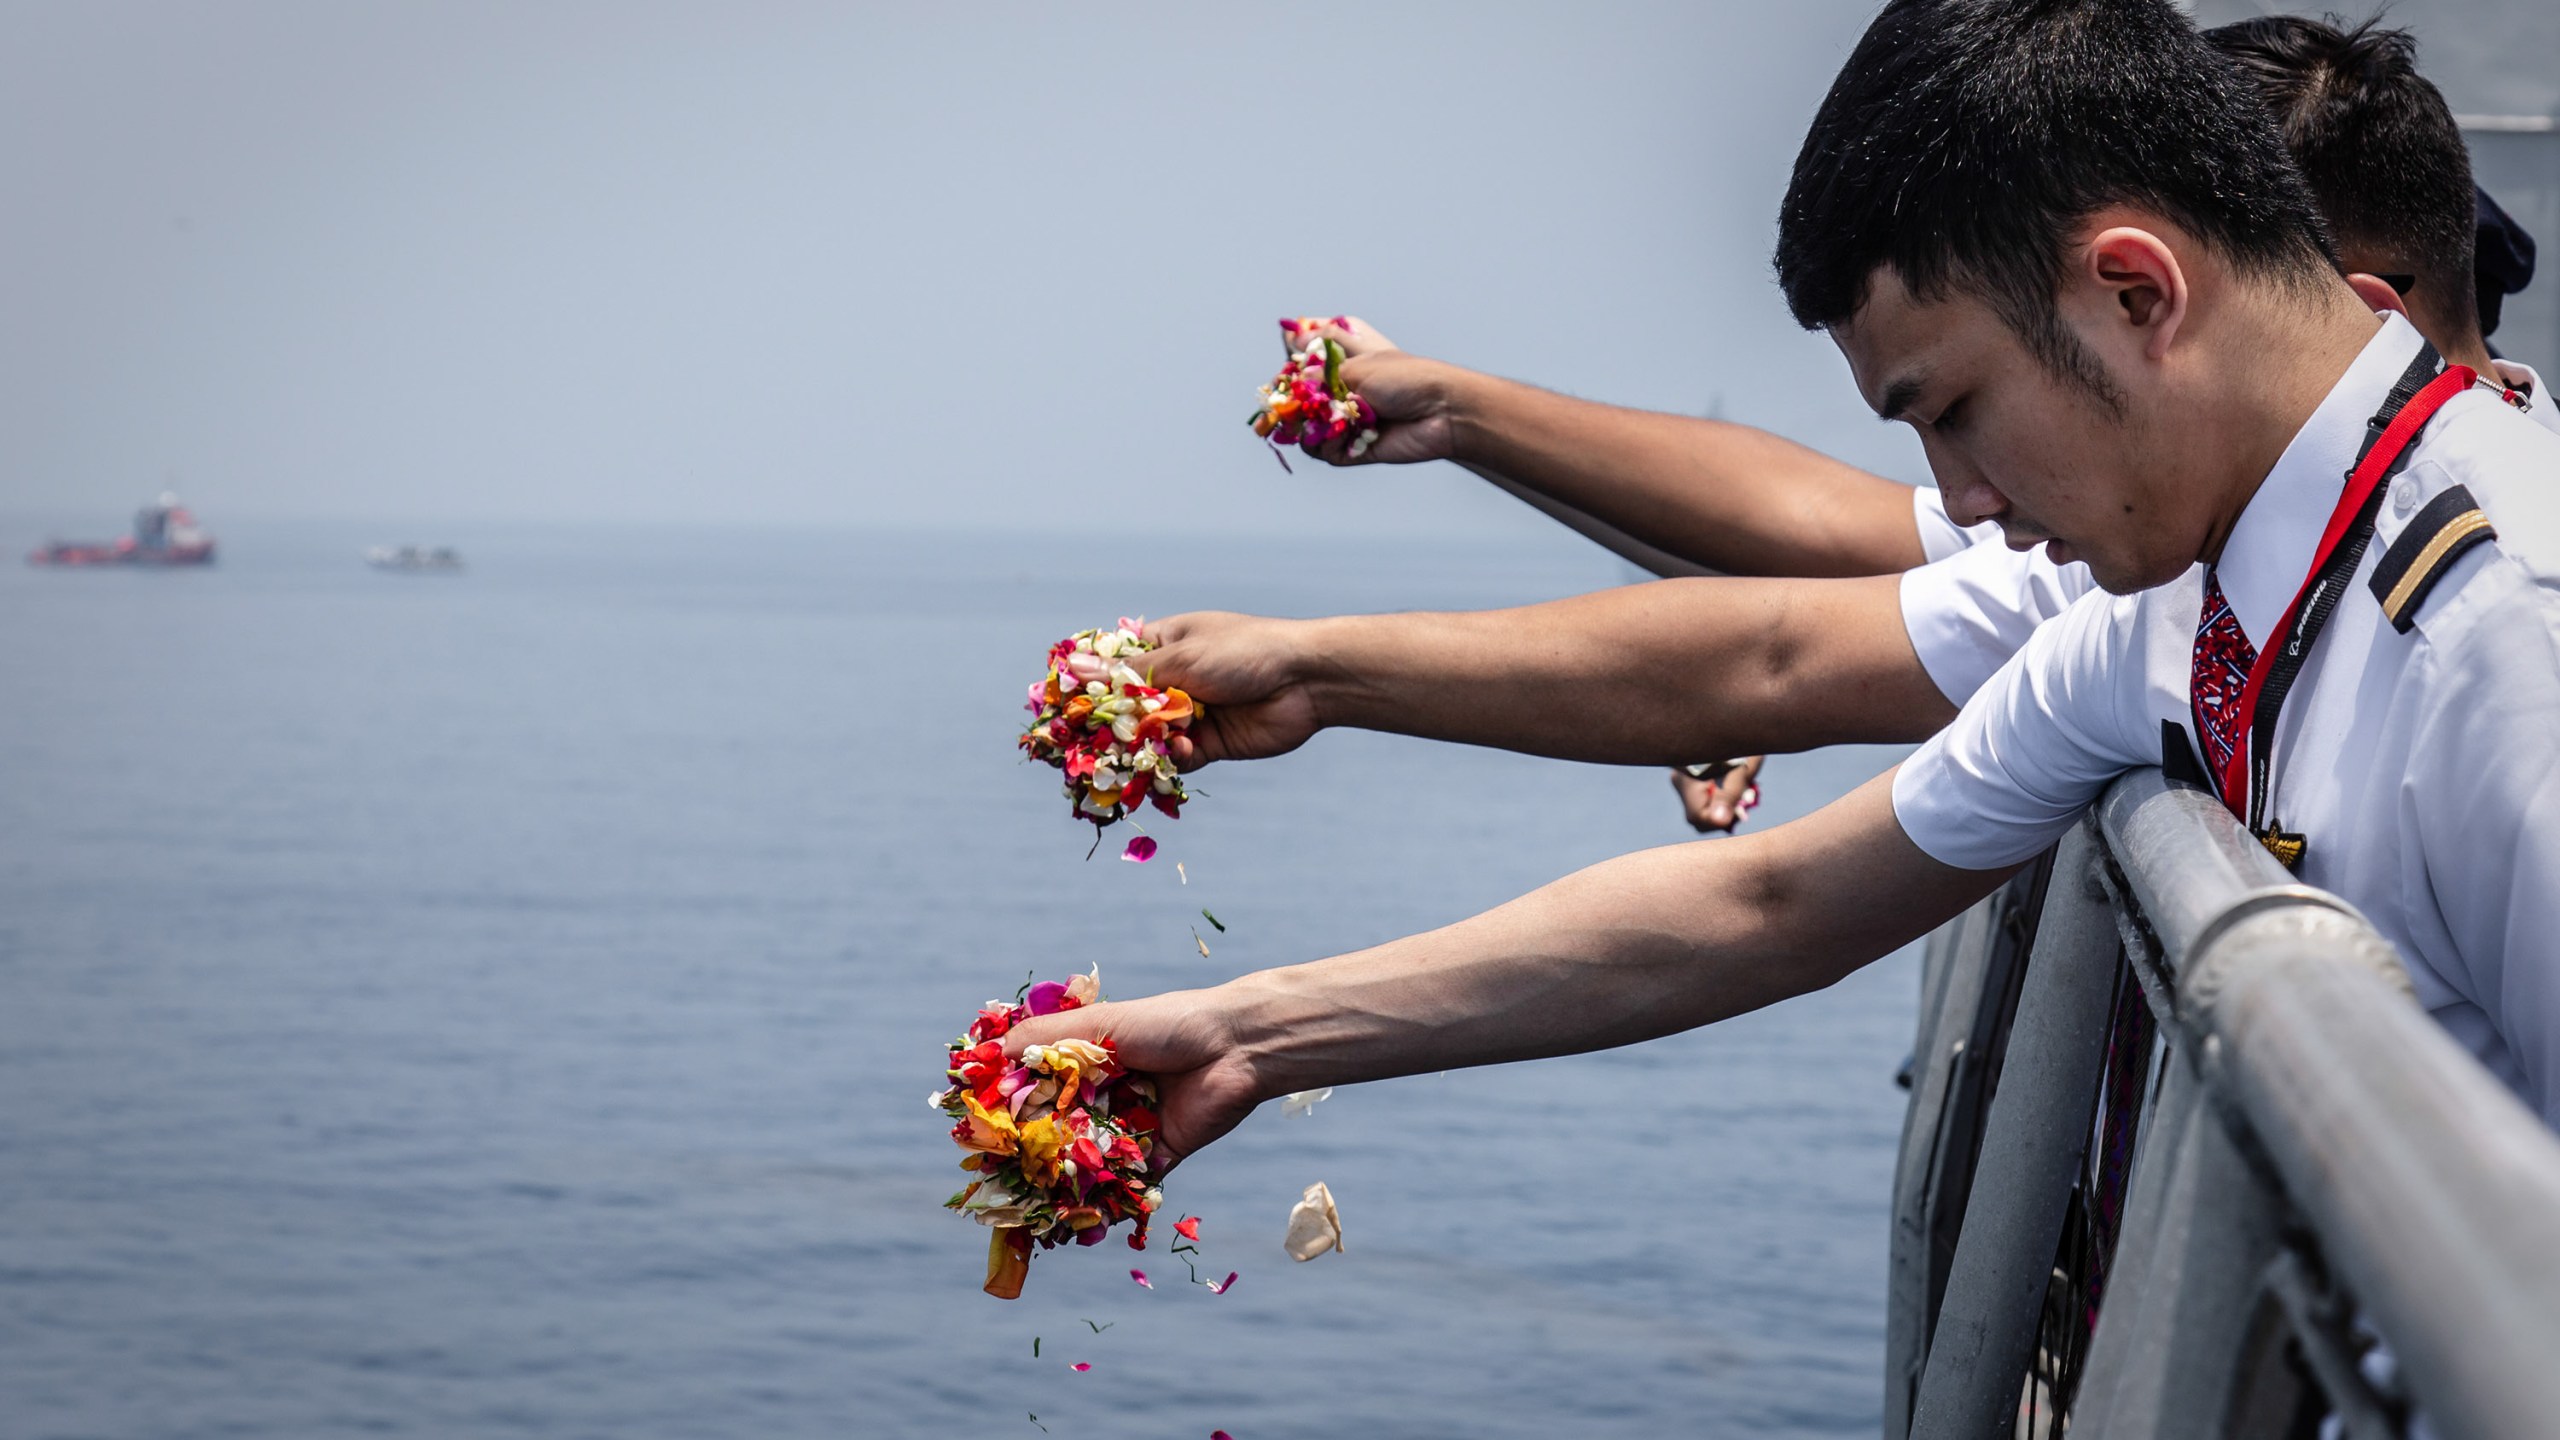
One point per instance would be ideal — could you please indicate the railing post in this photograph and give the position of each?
(2200, 1228)
(1951, 990)
(2033, 1145)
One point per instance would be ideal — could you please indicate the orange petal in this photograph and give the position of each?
(1008, 1261)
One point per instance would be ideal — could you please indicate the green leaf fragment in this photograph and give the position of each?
(1214, 920)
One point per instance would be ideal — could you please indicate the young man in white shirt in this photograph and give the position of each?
(1728, 666)
(2097, 289)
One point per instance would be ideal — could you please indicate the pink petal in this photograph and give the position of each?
(1141, 1277)
(1188, 1227)
(1080, 1367)
(1044, 997)
(1140, 851)
(1220, 1435)
(1220, 1287)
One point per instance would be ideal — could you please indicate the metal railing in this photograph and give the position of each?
(2184, 1160)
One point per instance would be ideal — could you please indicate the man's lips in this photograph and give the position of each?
(2057, 550)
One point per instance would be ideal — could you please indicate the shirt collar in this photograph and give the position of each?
(2271, 546)
(2521, 378)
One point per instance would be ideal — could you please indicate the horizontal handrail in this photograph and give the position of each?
(2434, 1193)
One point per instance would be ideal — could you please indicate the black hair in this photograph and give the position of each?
(2377, 143)
(1965, 138)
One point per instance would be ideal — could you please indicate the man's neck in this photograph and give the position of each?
(2303, 348)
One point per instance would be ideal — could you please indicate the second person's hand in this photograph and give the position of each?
(1250, 677)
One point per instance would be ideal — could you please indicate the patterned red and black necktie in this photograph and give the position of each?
(2219, 678)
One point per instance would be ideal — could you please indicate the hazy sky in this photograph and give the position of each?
(838, 263)
(895, 263)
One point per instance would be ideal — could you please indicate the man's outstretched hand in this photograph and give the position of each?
(1204, 1085)
(1716, 802)
(1248, 674)
(1413, 398)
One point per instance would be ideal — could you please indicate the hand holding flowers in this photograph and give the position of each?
(1409, 404)
(1184, 1042)
(1060, 1135)
(1103, 722)
(1250, 677)
(1309, 404)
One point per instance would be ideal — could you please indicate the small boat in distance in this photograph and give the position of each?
(164, 533)
(413, 558)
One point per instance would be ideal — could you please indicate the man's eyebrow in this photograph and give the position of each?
(1899, 395)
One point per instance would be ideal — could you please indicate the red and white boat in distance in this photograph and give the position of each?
(164, 533)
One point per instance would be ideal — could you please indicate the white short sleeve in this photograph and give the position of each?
(1941, 536)
(1967, 614)
(2071, 710)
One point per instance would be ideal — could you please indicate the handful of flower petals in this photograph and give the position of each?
(1059, 1139)
(1307, 404)
(1097, 718)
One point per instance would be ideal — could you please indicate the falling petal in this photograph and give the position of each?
(1178, 870)
(1303, 1102)
(1220, 1287)
(1195, 939)
(1141, 1277)
(1080, 1367)
(1188, 1227)
(1140, 851)
(1314, 1225)
(1220, 1435)
(1008, 1260)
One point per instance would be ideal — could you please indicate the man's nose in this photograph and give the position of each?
(1969, 501)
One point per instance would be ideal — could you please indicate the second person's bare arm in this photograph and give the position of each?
(1646, 674)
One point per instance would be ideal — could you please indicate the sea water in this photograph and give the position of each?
(503, 1004)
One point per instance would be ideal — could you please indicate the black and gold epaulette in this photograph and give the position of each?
(2286, 845)
(2450, 524)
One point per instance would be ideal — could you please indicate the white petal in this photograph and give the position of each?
(1314, 1225)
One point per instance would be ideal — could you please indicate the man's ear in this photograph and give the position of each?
(2141, 276)
(2376, 293)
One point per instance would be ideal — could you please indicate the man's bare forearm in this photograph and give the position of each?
(1727, 497)
(1638, 947)
(1660, 673)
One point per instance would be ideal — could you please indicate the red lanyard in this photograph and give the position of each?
(2412, 403)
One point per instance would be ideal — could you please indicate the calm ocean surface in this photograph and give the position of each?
(503, 1004)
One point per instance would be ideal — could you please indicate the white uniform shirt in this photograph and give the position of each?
(2537, 401)
(2424, 767)
(1977, 601)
